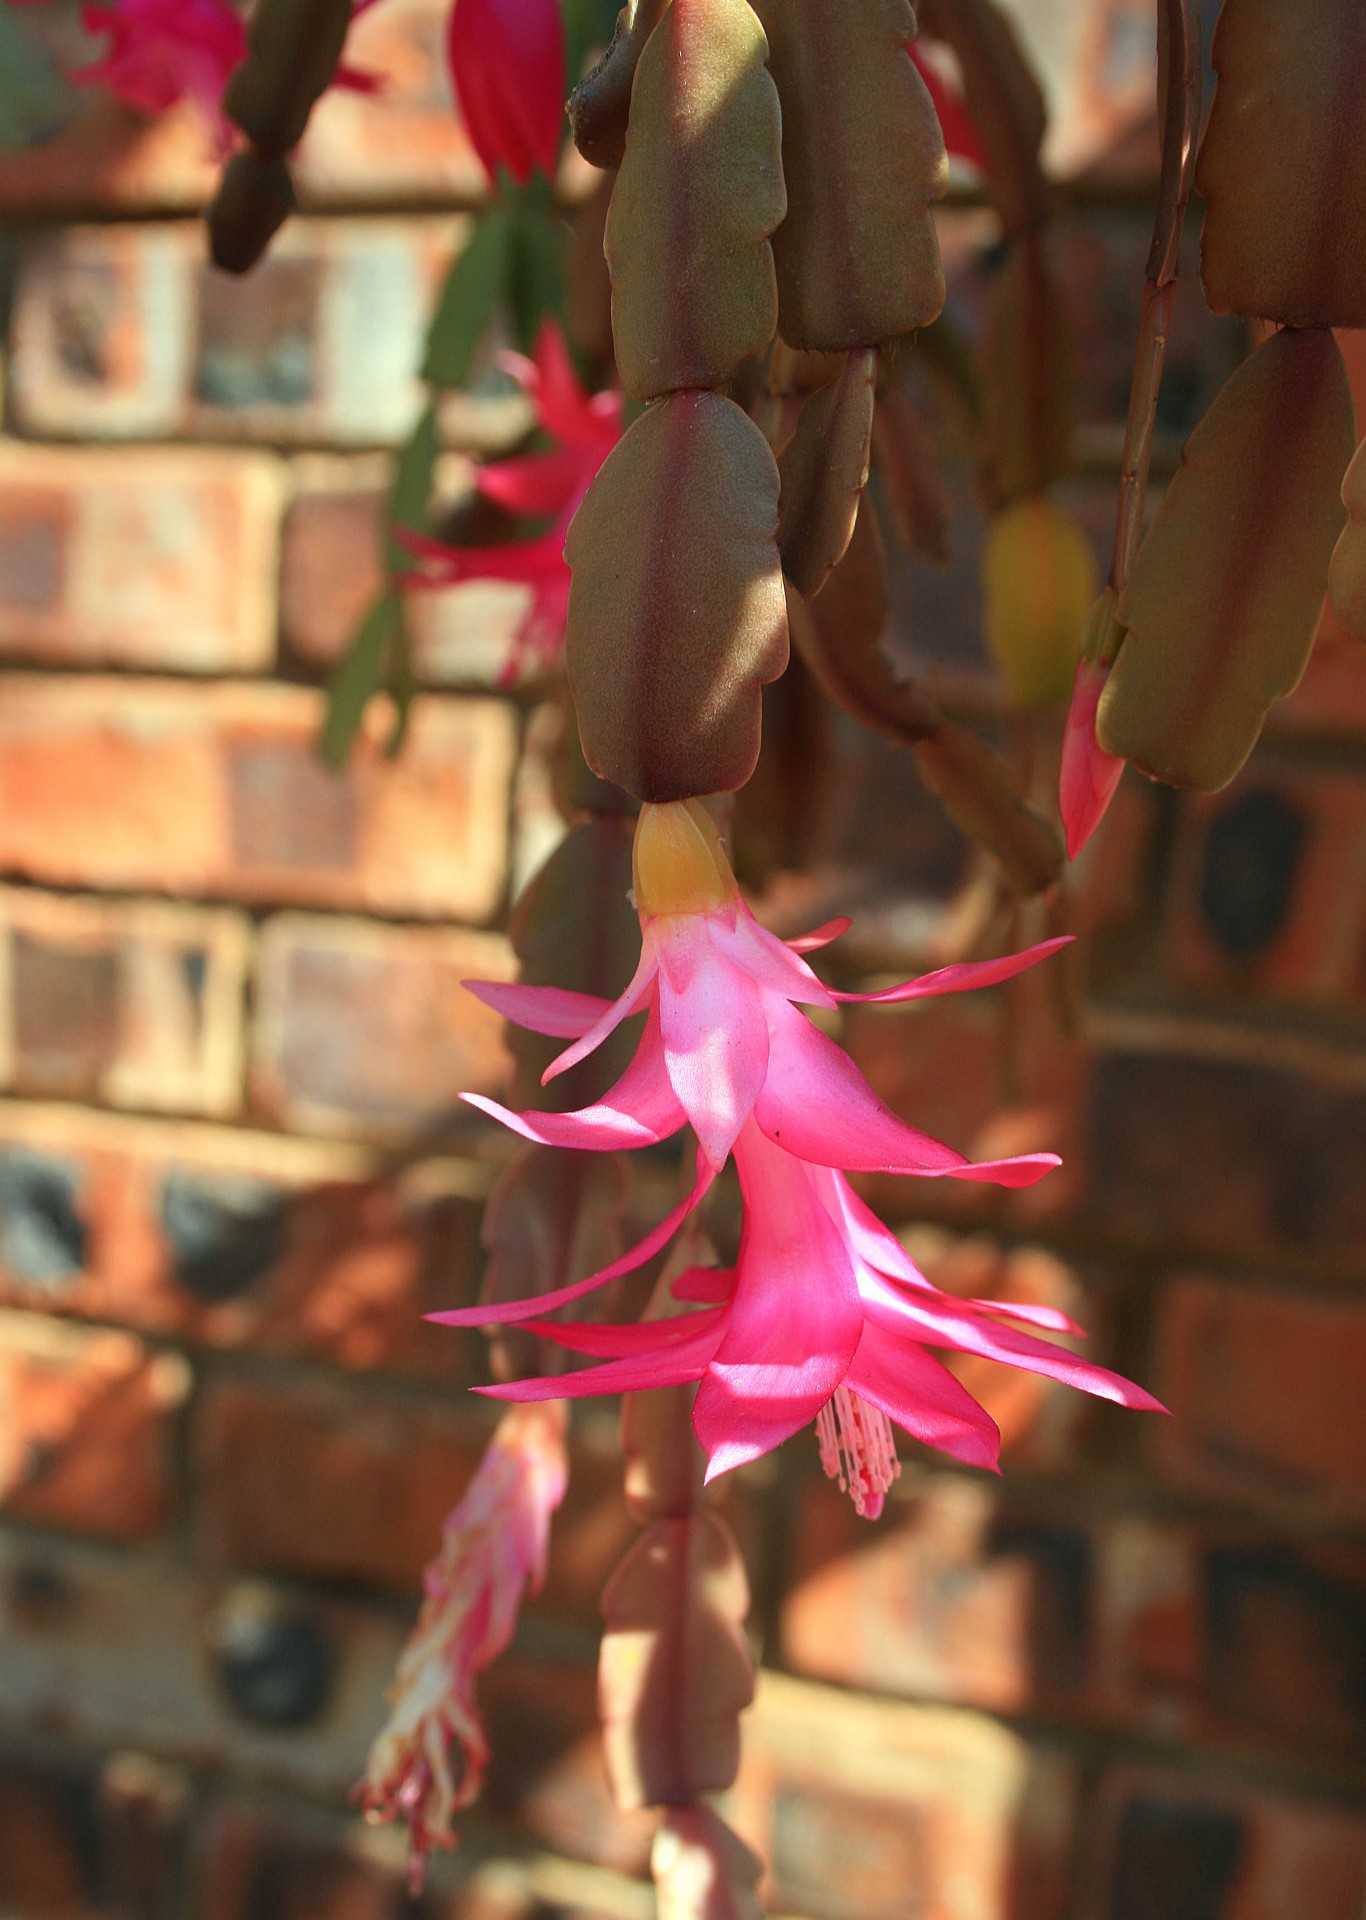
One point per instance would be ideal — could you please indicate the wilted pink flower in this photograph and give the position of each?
(430, 1760)
(1089, 774)
(538, 485)
(164, 51)
(960, 135)
(823, 1317)
(507, 68)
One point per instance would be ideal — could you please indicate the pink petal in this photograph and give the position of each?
(561, 404)
(661, 1367)
(768, 960)
(960, 135)
(966, 977)
(939, 1321)
(917, 1392)
(794, 1320)
(817, 1105)
(507, 62)
(708, 1285)
(532, 483)
(513, 1312)
(614, 1012)
(639, 1111)
(552, 1010)
(715, 1045)
(1048, 1318)
(820, 937)
(619, 1342)
(1089, 775)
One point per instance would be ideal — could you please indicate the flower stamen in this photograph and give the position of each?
(857, 1450)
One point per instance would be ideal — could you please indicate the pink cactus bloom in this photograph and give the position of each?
(164, 51)
(823, 1317)
(540, 486)
(493, 1547)
(960, 135)
(1089, 774)
(507, 67)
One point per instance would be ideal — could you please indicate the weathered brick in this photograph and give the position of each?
(1218, 1139)
(1233, 1633)
(329, 1481)
(962, 1069)
(126, 332)
(280, 1864)
(1168, 1846)
(1265, 1390)
(142, 558)
(1268, 887)
(87, 1428)
(219, 791)
(332, 568)
(133, 1003)
(864, 1808)
(236, 1239)
(403, 143)
(78, 1835)
(546, 1772)
(370, 1030)
(956, 1594)
(115, 1648)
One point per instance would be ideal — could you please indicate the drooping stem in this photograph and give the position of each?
(1179, 86)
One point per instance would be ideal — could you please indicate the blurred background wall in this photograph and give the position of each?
(1126, 1683)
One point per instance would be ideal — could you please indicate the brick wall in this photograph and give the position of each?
(1127, 1682)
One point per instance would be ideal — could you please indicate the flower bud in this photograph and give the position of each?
(679, 864)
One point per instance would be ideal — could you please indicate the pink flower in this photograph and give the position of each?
(823, 1316)
(164, 51)
(960, 135)
(493, 1546)
(540, 486)
(507, 68)
(1089, 774)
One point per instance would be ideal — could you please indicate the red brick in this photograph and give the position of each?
(866, 1808)
(290, 1864)
(1167, 1844)
(78, 1836)
(137, 1004)
(1268, 888)
(219, 791)
(403, 143)
(1265, 1393)
(956, 1594)
(126, 332)
(331, 570)
(370, 1030)
(237, 1239)
(959, 1068)
(144, 558)
(329, 1481)
(546, 1772)
(109, 159)
(111, 1648)
(1226, 1140)
(1220, 1631)
(87, 1429)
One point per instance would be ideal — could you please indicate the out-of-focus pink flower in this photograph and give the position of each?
(163, 51)
(823, 1317)
(507, 68)
(960, 135)
(1089, 774)
(430, 1759)
(538, 485)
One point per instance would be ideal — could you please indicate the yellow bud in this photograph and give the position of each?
(1038, 582)
(679, 864)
